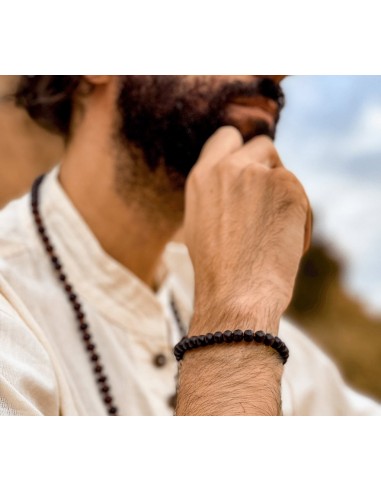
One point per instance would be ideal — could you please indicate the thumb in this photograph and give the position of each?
(222, 143)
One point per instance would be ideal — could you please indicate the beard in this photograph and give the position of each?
(167, 121)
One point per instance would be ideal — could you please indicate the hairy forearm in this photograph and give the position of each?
(247, 222)
(229, 379)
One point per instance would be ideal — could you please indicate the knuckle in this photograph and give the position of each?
(267, 145)
(291, 190)
(256, 171)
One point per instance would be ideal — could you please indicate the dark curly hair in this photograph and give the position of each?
(49, 100)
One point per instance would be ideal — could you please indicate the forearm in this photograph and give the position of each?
(230, 379)
(247, 222)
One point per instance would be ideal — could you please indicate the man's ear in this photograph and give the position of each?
(97, 79)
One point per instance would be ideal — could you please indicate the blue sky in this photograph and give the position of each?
(330, 137)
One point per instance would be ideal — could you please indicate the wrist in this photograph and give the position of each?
(219, 381)
(242, 313)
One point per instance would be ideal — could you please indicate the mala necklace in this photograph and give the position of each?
(101, 378)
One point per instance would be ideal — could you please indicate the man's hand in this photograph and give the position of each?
(247, 224)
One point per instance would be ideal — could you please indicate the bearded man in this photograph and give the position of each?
(93, 293)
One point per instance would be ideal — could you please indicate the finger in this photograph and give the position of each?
(259, 150)
(222, 143)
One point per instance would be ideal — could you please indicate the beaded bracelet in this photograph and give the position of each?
(228, 337)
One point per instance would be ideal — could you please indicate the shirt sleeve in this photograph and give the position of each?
(27, 381)
(313, 385)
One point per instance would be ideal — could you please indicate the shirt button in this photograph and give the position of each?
(172, 400)
(160, 360)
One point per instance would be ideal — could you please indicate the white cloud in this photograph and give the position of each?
(365, 135)
(336, 160)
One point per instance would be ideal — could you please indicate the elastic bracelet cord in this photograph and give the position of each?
(228, 336)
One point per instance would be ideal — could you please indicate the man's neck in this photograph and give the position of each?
(125, 233)
(133, 227)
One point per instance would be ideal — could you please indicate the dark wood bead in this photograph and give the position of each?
(248, 335)
(281, 347)
(237, 335)
(77, 306)
(202, 341)
(284, 351)
(186, 344)
(80, 315)
(268, 340)
(62, 277)
(218, 337)
(209, 337)
(228, 336)
(108, 399)
(90, 347)
(72, 297)
(180, 345)
(259, 336)
(68, 287)
(41, 229)
(277, 343)
(105, 388)
(112, 411)
(48, 246)
(160, 360)
(94, 357)
(83, 326)
(193, 342)
(178, 351)
(86, 337)
(98, 368)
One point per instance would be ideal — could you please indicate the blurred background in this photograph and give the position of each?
(330, 137)
(25, 149)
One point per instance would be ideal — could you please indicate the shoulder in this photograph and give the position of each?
(28, 382)
(27, 379)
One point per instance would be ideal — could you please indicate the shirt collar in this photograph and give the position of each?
(95, 274)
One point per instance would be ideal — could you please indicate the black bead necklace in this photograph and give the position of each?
(83, 326)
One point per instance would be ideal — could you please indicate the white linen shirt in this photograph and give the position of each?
(44, 368)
